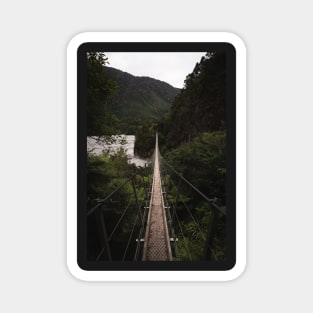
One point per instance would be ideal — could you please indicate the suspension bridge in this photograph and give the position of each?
(157, 243)
(157, 232)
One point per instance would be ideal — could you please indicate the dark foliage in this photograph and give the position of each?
(200, 106)
(100, 120)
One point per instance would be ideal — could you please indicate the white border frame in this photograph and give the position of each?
(135, 275)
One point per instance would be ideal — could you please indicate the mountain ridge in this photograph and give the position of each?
(139, 96)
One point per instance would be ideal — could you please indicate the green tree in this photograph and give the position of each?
(200, 106)
(100, 121)
(203, 163)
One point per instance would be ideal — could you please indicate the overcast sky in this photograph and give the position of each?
(171, 67)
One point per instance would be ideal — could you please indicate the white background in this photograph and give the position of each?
(33, 273)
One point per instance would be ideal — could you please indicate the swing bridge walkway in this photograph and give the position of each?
(157, 222)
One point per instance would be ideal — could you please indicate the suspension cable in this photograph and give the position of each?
(164, 172)
(188, 210)
(136, 199)
(142, 216)
(211, 201)
(178, 196)
(173, 232)
(185, 241)
(142, 229)
(100, 202)
(203, 237)
(120, 219)
(130, 236)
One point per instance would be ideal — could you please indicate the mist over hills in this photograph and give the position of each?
(139, 97)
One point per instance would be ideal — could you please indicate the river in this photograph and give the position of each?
(127, 142)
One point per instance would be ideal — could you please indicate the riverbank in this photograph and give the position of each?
(99, 146)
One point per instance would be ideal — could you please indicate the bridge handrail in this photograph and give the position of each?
(101, 201)
(211, 201)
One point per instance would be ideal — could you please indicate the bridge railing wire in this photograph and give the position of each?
(141, 209)
(101, 201)
(134, 204)
(210, 201)
(167, 170)
(170, 216)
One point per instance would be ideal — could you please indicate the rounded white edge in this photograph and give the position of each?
(240, 48)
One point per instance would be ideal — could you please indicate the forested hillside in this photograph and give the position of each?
(194, 132)
(200, 106)
(120, 103)
(193, 140)
(139, 97)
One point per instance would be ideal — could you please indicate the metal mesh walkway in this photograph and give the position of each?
(157, 245)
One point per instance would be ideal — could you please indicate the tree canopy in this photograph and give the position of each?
(200, 106)
(100, 121)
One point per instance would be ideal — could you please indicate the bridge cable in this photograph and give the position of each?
(130, 236)
(100, 202)
(142, 230)
(100, 254)
(171, 216)
(196, 222)
(211, 201)
(181, 230)
(173, 232)
(120, 219)
(143, 227)
(136, 198)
